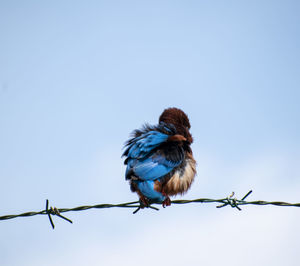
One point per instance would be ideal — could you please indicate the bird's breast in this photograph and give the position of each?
(182, 178)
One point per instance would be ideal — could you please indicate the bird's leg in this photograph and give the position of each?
(167, 201)
(144, 202)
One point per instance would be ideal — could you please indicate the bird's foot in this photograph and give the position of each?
(166, 202)
(144, 202)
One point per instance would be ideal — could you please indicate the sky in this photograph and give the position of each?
(77, 77)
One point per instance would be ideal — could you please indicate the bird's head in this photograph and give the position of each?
(179, 120)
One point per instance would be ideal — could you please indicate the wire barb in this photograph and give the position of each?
(247, 195)
(234, 202)
(54, 211)
(139, 208)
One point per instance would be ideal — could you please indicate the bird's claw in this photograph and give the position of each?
(144, 202)
(166, 202)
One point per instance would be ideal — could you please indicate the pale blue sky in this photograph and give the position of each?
(76, 77)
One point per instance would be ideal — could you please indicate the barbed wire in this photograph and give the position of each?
(228, 201)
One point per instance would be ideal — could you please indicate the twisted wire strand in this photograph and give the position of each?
(80, 208)
(228, 201)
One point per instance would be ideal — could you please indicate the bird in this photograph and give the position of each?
(159, 159)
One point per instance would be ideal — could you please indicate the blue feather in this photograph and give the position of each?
(148, 169)
(144, 144)
(147, 189)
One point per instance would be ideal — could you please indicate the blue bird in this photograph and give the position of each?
(159, 159)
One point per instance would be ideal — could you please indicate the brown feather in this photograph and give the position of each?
(179, 119)
(181, 181)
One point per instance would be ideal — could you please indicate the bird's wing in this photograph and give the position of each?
(141, 146)
(150, 156)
